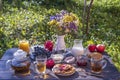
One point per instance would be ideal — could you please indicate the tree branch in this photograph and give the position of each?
(84, 15)
(88, 17)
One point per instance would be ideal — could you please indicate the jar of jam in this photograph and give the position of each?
(82, 60)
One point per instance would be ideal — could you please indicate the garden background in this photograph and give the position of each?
(27, 19)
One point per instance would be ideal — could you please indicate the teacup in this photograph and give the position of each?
(97, 62)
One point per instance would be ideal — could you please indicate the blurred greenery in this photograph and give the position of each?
(27, 19)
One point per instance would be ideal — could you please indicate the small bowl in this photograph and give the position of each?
(69, 59)
(57, 57)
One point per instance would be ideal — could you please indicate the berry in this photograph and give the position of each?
(40, 51)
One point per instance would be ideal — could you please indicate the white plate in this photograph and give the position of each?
(56, 67)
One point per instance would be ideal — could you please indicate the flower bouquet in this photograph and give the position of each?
(64, 22)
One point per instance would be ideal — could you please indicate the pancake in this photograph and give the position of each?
(63, 69)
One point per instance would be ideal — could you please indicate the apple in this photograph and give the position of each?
(100, 48)
(50, 63)
(48, 45)
(92, 47)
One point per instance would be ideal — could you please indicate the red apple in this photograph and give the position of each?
(48, 45)
(50, 63)
(92, 47)
(100, 48)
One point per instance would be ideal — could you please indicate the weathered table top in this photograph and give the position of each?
(109, 73)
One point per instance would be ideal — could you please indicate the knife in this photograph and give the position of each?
(96, 75)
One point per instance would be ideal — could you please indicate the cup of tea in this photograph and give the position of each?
(97, 63)
(40, 64)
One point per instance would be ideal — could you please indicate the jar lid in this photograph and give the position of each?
(20, 54)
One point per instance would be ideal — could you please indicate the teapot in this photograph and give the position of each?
(20, 62)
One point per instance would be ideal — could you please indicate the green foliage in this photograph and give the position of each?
(27, 19)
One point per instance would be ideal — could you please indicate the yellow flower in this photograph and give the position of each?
(74, 16)
(52, 22)
(76, 22)
(67, 18)
(58, 23)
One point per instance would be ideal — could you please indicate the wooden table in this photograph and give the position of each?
(109, 73)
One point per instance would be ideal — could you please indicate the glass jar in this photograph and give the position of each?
(77, 49)
(82, 60)
(24, 45)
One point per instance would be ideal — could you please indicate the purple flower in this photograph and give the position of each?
(58, 17)
(63, 12)
(73, 26)
(65, 27)
(52, 17)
